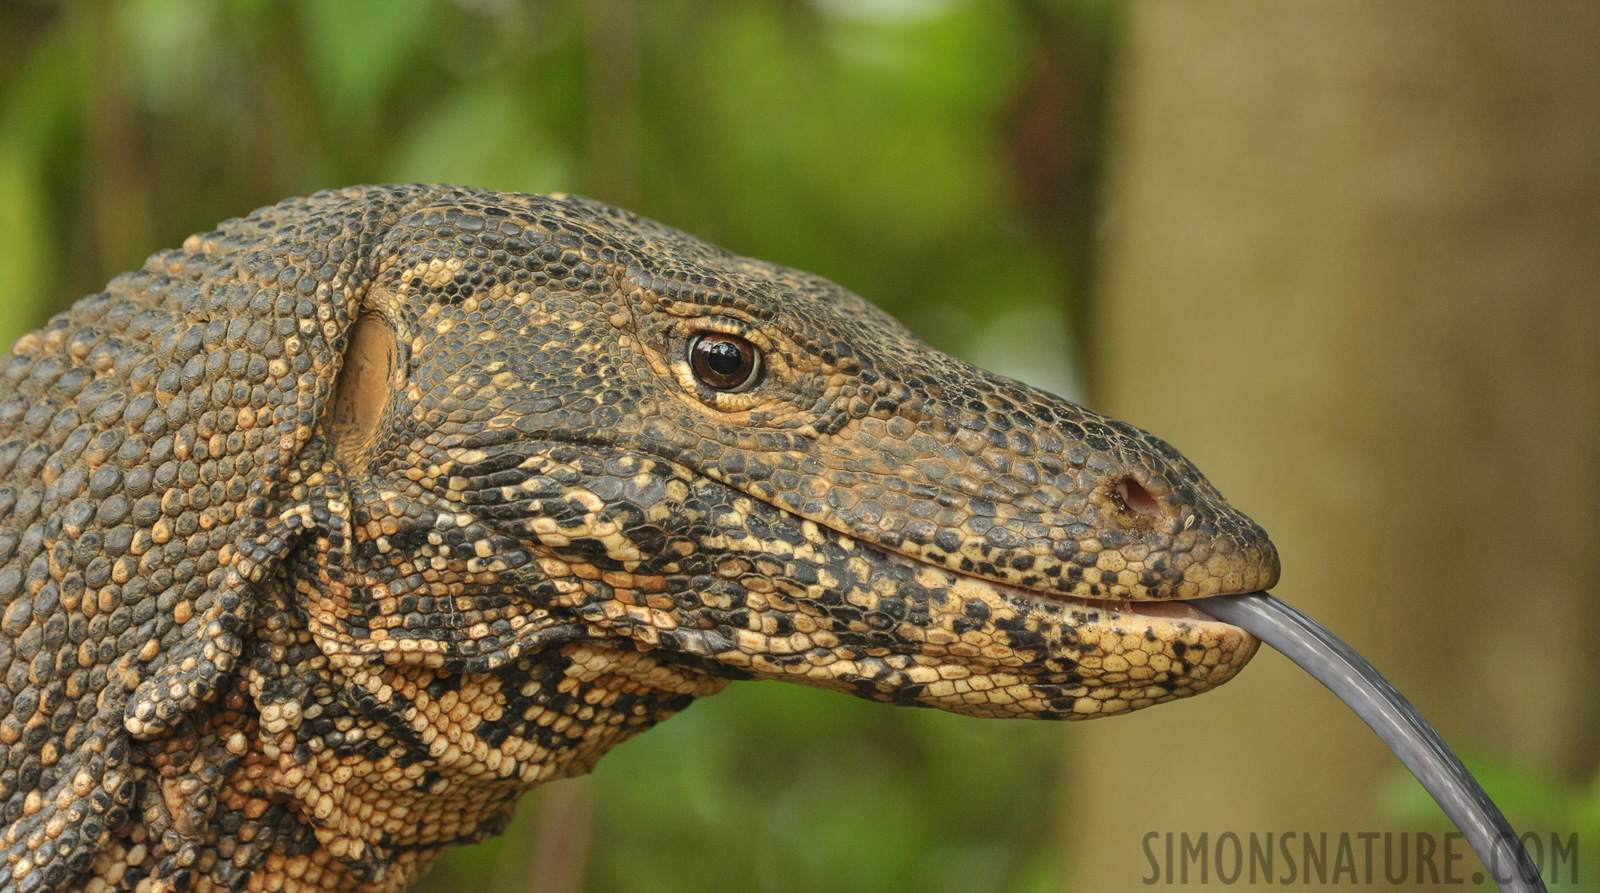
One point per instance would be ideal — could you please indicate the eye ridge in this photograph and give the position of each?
(724, 362)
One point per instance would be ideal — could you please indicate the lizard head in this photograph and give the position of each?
(578, 424)
(328, 534)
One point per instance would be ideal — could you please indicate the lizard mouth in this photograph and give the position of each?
(1163, 617)
(1171, 609)
(1165, 609)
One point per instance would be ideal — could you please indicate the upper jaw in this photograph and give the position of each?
(1117, 568)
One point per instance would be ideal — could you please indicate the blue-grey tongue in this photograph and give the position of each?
(1364, 690)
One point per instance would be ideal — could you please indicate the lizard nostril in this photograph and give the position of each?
(1137, 498)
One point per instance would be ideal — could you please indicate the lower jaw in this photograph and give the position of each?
(1185, 650)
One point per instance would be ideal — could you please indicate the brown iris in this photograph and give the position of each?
(724, 362)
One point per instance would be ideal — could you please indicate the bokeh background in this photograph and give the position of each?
(1343, 253)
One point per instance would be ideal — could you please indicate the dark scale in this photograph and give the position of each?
(326, 536)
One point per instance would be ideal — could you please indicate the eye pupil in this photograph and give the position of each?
(724, 362)
(724, 358)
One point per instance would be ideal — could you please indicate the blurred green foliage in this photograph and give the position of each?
(937, 156)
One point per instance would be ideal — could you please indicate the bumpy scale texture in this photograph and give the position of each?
(326, 536)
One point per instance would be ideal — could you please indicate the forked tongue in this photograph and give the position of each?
(1362, 689)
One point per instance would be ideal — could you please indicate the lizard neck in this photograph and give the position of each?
(372, 757)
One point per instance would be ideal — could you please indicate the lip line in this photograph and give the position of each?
(1170, 610)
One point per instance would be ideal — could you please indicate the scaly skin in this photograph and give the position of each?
(325, 537)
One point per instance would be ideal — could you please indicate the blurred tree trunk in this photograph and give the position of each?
(614, 66)
(1353, 271)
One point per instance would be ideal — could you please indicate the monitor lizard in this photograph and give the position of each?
(327, 535)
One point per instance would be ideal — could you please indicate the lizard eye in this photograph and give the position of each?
(725, 362)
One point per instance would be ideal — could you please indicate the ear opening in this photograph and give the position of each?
(362, 389)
